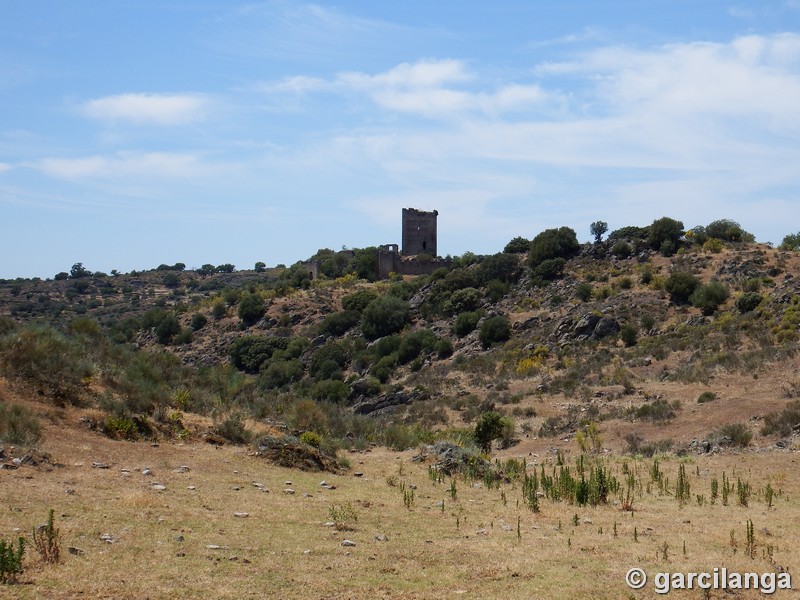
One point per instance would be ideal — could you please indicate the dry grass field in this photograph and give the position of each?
(131, 539)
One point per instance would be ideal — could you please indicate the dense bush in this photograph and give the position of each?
(681, 285)
(748, 302)
(167, 329)
(504, 267)
(706, 397)
(331, 390)
(491, 426)
(494, 330)
(553, 243)
(550, 269)
(249, 352)
(329, 358)
(518, 245)
(199, 320)
(496, 290)
(791, 242)
(783, 422)
(358, 300)
(339, 323)
(384, 316)
(733, 434)
(466, 323)
(414, 344)
(664, 231)
(278, 373)
(251, 309)
(47, 359)
(463, 300)
(728, 231)
(443, 348)
(19, 425)
(709, 296)
(622, 249)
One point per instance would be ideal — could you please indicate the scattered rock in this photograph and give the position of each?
(159, 487)
(382, 538)
(75, 551)
(108, 538)
(241, 515)
(348, 543)
(147, 472)
(99, 465)
(288, 491)
(358, 474)
(182, 469)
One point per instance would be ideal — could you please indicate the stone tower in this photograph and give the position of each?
(419, 232)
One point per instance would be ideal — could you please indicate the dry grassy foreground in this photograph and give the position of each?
(186, 541)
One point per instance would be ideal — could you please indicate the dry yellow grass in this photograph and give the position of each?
(162, 540)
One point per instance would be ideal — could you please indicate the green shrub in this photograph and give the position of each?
(11, 560)
(311, 438)
(199, 320)
(233, 429)
(463, 300)
(384, 316)
(783, 422)
(706, 397)
(19, 425)
(358, 300)
(518, 245)
(251, 309)
(734, 434)
(494, 330)
(167, 329)
(728, 231)
(331, 390)
(496, 290)
(278, 373)
(621, 249)
(748, 302)
(415, 343)
(629, 334)
(791, 242)
(466, 323)
(41, 356)
(550, 269)
(490, 427)
(219, 310)
(664, 230)
(708, 297)
(444, 348)
(47, 541)
(184, 337)
(249, 352)
(583, 292)
(681, 285)
(339, 323)
(383, 369)
(553, 243)
(503, 267)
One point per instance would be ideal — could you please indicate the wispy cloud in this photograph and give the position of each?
(4, 167)
(126, 164)
(156, 109)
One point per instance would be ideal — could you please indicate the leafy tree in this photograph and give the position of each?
(597, 229)
(728, 231)
(78, 270)
(225, 268)
(260, 267)
(496, 290)
(171, 280)
(365, 263)
(791, 242)
(503, 266)
(206, 270)
(493, 330)
(681, 285)
(664, 231)
(697, 234)
(414, 344)
(251, 309)
(61, 276)
(553, 243)
(384, 316)
(629, 233)
(709, 296)
(518, 245)
(629, 334)
(489, 427)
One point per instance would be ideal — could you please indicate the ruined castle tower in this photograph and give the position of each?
(419, 232)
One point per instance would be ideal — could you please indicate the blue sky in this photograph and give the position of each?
(141, 132)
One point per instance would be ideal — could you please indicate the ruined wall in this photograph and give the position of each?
(390, 261)
(419, 232)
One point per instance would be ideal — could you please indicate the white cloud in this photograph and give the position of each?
(157, 109)
(126, 164)
(4, 167)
